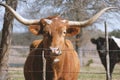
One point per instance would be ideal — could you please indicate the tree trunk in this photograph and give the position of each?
(6, 40)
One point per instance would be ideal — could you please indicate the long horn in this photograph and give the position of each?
(89, 21)
(20, 18)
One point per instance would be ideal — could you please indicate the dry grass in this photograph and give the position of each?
(98, 73)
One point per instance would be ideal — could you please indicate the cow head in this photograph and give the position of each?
(54, 29)
(100, 44)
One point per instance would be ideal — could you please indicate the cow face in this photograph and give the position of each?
(100, 44)
(54, 30)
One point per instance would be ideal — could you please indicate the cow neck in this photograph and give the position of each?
(46, 52)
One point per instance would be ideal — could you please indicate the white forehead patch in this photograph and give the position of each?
(56, 18)
(64, 21)
(48, 21)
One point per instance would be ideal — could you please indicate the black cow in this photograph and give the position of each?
(114, 52)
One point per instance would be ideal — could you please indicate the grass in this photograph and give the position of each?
(86, 73)
(16, 74)
(98, 76)
(98, 73)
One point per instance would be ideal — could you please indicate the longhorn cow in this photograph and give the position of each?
(62, 62)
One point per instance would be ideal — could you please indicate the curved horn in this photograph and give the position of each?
(89, 21)
(20, 18)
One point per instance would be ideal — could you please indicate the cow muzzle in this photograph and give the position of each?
(55, 51)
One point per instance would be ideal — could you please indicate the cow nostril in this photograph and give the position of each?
(56, 51)
(59, 52)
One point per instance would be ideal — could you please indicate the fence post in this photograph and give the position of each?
(107, 52)
(44, 66)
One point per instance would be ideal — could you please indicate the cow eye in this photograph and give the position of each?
(64, 32)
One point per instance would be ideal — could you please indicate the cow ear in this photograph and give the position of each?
(93, 41)
(35, 29)
(72, 31)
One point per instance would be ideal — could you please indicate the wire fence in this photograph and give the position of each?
(91, 66)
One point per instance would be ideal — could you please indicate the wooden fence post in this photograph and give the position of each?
(44, 65)
(107, 52)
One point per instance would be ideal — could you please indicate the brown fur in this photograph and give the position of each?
(67, 69)
(35, 44)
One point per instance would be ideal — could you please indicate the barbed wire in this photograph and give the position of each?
(80, 49)
(88, 72)
(83, 72)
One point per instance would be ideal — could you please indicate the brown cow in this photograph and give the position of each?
(62, 62)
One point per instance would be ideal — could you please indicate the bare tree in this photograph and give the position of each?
(6, 40)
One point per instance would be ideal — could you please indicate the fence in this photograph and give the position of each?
(91, 67)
